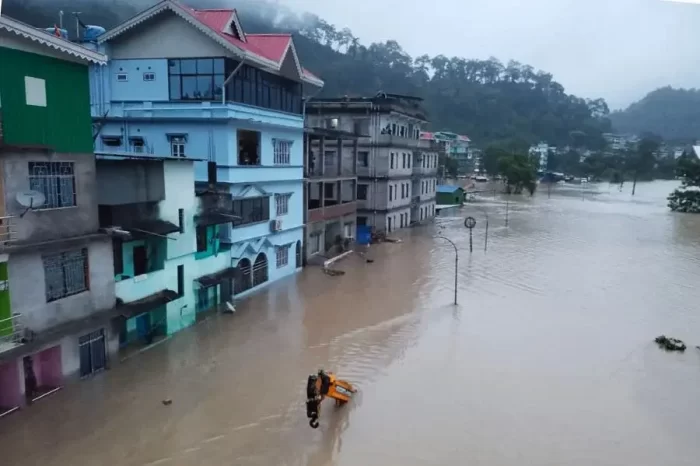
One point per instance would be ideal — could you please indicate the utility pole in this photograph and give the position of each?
(456, 261)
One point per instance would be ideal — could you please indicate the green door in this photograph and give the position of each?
(5, 311)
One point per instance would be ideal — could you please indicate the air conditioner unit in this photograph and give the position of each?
(276, 225)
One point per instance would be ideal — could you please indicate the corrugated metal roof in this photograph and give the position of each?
(447, 188)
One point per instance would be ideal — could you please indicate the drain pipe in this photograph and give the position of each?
(230, 77)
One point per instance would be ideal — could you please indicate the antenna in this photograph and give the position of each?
(30, 199)
(77, 24)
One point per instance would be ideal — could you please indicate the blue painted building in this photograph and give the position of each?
(191, 84)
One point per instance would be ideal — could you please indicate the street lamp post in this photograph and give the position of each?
(456, 261)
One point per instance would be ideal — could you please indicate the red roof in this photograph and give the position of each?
(269, 46)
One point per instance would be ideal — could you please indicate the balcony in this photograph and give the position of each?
(12, 332)
(7, 231)
(331, 212)
(398, 141)
(144, 286)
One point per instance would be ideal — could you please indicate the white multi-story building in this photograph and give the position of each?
(542, 151)
(397, 171)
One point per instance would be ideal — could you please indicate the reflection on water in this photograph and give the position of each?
(548, 359)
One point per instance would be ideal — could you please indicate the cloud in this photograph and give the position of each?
(616, 49)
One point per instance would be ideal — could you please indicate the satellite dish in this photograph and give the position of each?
(30, 199)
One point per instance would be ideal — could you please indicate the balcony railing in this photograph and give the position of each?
(11, 332)
(7, 231)
(142, 286)
(329, 212)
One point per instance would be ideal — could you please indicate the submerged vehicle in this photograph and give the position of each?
(322, 385)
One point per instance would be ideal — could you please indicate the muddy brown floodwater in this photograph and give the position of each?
(548, 359)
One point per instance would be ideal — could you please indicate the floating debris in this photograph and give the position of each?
(167, 402)
(333, 273)
(369, 261)
(670, 344)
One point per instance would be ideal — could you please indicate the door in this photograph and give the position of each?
(92, 353)
(30, 381)
(143, 325)
(140, 257)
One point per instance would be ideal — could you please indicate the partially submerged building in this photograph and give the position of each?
(194, 84)
(330, 166)
(56, 285)
(388, 127)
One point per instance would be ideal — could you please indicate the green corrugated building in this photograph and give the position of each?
(45, 90)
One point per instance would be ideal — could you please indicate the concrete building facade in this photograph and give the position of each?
(330, 166)
(57, 293)
(388, 127)
(193, 84)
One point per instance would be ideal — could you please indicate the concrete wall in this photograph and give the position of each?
(49, 224)
(164, 36)
(28, 289)
(129, 181)
(135, 88)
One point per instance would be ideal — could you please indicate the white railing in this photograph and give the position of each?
(11, 332)
(7, 230)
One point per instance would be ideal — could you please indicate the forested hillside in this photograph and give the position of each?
(673, 114)
(486, 99)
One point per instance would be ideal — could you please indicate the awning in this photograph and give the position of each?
(215, 278)
(150, 228)
(214, 218)
(146, 304)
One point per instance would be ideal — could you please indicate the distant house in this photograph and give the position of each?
(449, 195)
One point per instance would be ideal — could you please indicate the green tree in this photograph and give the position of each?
(687, 197)
(519, 173)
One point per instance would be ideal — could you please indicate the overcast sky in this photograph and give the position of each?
(616, 49)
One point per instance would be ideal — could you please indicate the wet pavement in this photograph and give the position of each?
(548, 359)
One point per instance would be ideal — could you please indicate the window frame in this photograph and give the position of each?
(53, 184)
(62, 257)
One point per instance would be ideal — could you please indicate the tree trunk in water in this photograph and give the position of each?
(634, 182)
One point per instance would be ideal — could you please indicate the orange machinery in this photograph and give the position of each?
(322, 385)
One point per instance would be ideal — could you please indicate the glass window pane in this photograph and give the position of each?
(175, 88)
(205, 66)
(218, 85)
(204, 87)
(188, 66)
(219, 66)
(174, 66)
(189, 87)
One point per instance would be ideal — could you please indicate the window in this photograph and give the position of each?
(202, 242)
(118, 254)
(177, 146)
(329, 191)
(260, 270)
(196, 79)
(112, 141)
(392, 160)
(181, 280)
(56, 181)
(410, 156)
(391, 193)
(137, 143)
(393, 128)
(148, 76)
(315, 245)
(181, 219)
(363, 158)
(282, 256)
(35, 91)
(65, 274)
(282, 150)
(282, 202)
(362, 192)
(139, 257)
(251, 210)
(362, 221)
(122, 77)
(248, 147)
(404, 160)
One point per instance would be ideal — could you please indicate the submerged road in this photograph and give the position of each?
(548, 359)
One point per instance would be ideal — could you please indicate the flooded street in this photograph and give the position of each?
(548, 359)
